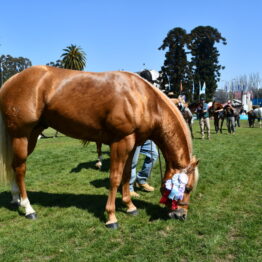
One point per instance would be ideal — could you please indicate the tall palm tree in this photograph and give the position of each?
(73, 58)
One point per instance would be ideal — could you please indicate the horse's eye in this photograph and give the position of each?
(188, 189)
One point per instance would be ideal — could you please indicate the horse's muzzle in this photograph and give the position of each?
(179, 214)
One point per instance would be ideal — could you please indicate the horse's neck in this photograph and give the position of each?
(218, 106)
(238, 109)
(173, 138)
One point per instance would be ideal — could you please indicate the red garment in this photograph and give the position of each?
(170, 204)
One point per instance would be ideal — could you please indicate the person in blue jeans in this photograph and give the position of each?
(150, 151)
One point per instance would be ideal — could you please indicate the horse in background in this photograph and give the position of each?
(117, 108)
(185, 111)
(253, 115)
(238, 110)
(218, 111)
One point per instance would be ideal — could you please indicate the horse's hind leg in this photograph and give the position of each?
(99, 154)
(216, 124)
(20, 153)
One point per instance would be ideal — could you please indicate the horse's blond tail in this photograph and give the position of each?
(6, 171)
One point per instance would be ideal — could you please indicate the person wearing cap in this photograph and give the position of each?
(203, 116)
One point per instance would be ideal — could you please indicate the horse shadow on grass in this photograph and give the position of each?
(94, 204)
(91, 165)
(98, 183)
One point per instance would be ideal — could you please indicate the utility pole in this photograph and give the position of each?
(1, 73)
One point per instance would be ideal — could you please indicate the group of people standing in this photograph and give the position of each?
(203, 116)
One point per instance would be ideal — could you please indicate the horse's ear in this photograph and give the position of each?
(194, 163)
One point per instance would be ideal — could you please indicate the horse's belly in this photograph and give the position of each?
(88, 126)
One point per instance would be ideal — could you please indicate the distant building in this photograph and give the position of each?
(247, 101)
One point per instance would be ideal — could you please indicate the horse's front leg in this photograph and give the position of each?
(20, 153)
(216, 124)
(119, 152)
(126, 198)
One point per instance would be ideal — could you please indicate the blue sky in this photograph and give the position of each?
(126, 34)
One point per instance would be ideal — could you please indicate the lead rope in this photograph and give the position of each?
(160, 166)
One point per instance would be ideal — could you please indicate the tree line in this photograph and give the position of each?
(72, 58)
(191, 59)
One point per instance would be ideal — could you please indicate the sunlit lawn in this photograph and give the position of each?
(69, 195)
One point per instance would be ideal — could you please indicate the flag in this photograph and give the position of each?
(232, 87)
(181, 86)
(203, 89)
(193, 89)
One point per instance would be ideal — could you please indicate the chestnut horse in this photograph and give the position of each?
(115, 108)
(185, 112)
(218, 115)
(218, 111)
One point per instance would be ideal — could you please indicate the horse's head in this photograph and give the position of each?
(193, 176)
(179, 208)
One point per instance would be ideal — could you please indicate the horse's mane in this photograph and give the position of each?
(173, 112)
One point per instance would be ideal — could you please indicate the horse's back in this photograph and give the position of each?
(258, 112)
(94, 104)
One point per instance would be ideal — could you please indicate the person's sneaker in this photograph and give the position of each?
(146, 187)
(134, 194)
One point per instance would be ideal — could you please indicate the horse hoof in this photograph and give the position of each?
(112, 225)
(133, 212)
(31, 216)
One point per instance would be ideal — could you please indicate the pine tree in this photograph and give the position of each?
(175, 68)
(204, 61)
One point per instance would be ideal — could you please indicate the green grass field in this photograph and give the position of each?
(69, 195)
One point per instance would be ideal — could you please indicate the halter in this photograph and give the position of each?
(174, 202)
(187, 191)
